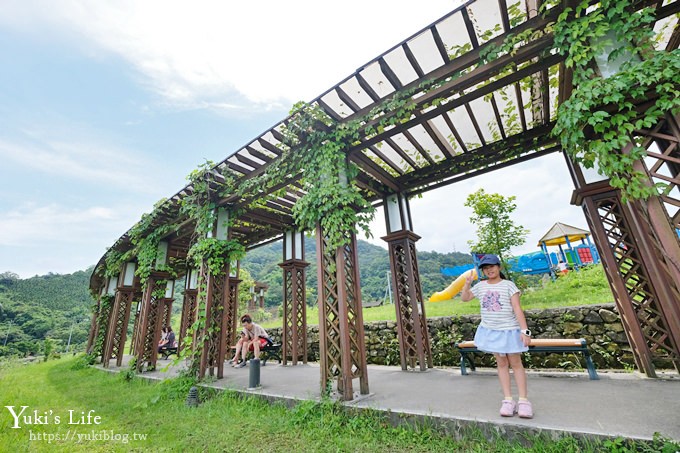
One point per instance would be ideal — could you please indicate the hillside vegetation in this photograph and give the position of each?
(50, 308)
(262, 263)
(43, 307)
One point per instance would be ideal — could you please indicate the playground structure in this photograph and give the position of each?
(450, 130)
(574, 256)
(455, 287)
(545, 261)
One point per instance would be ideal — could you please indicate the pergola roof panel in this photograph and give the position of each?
(480, 116)
(402, 67)
(451, 31)
(485, 16)
(426, 53)
(357, 93)
(461, 120)
(335, 106)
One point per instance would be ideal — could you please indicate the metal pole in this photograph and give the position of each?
(8, 329)
(69, 336)
(389, 287)
(254, 376)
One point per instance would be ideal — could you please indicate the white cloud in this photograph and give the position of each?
(80, 161)
(36, 239)
(30, 224)
(270, 52)
(542, 188)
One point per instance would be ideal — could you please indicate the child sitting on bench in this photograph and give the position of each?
(254, 337)
(168, 341)
(243, 338)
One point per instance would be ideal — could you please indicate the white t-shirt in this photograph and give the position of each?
(495, 306)
(257, 331)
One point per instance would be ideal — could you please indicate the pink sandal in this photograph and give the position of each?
(508, 408)
(524, 409)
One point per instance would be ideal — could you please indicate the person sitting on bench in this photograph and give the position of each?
(169, 340)
(243, 338)
(256, 338)
(164, 335)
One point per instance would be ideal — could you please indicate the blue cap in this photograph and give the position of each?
(489, 260)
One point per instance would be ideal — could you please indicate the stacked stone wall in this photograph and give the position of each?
(600, 325)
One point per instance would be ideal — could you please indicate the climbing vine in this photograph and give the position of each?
(146, 250)
(105, 304)
(114, 260)
(610, 107)
(200, 206)
(330, 199)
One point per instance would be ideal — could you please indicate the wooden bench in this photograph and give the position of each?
(272, 351)
(167, 352)
(375, 303)
(537, 345)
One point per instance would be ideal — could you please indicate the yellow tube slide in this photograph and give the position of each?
(454, 288)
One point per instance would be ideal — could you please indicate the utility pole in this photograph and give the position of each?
(8, 329)
(69, 336)
(388, 290)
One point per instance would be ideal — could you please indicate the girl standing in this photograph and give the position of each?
(502, 332)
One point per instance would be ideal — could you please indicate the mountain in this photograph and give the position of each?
(49, 306)
(262, 263)
(59, 306)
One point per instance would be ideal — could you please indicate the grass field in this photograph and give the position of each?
(225, 422)
(586, 287)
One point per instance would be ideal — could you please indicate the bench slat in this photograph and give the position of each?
(536, 345)
(535, 342)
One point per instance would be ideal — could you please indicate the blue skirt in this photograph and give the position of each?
(499, 341)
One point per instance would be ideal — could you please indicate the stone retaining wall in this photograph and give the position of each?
(598, 324)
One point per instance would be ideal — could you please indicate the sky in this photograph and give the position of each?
(106, 106)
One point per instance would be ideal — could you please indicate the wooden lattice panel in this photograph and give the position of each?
(122, 316)
(149, 340)
(663, 163)
(150, 323)
(289, 332)
(188, 314)
(135, 329)
(417, 288)
(167, 312)
(403, 299)
(231, 312)
(300, 315)
(105, 315)
(214, 322)
(414, 345)
(624, 245)
(328, 301)
(353, 306)
(215, 326)
(341, 335)
(294, 312)
(117, 329)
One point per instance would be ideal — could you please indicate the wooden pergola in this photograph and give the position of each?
(470, 116)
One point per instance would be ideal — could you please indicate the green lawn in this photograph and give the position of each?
(224, 422)
(586, 287)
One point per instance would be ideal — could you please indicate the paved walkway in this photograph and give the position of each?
(619, 404)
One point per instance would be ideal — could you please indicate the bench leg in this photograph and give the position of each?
(591, 367)
(465, 358)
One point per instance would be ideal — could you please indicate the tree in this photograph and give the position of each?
(496, 231)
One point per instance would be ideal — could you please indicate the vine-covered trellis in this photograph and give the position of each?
(491, 84)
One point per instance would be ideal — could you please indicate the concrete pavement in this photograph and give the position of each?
(619, 404)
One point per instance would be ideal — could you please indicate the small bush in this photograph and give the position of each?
(83, 361)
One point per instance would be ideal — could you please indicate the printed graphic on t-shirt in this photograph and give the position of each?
(492, 301)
